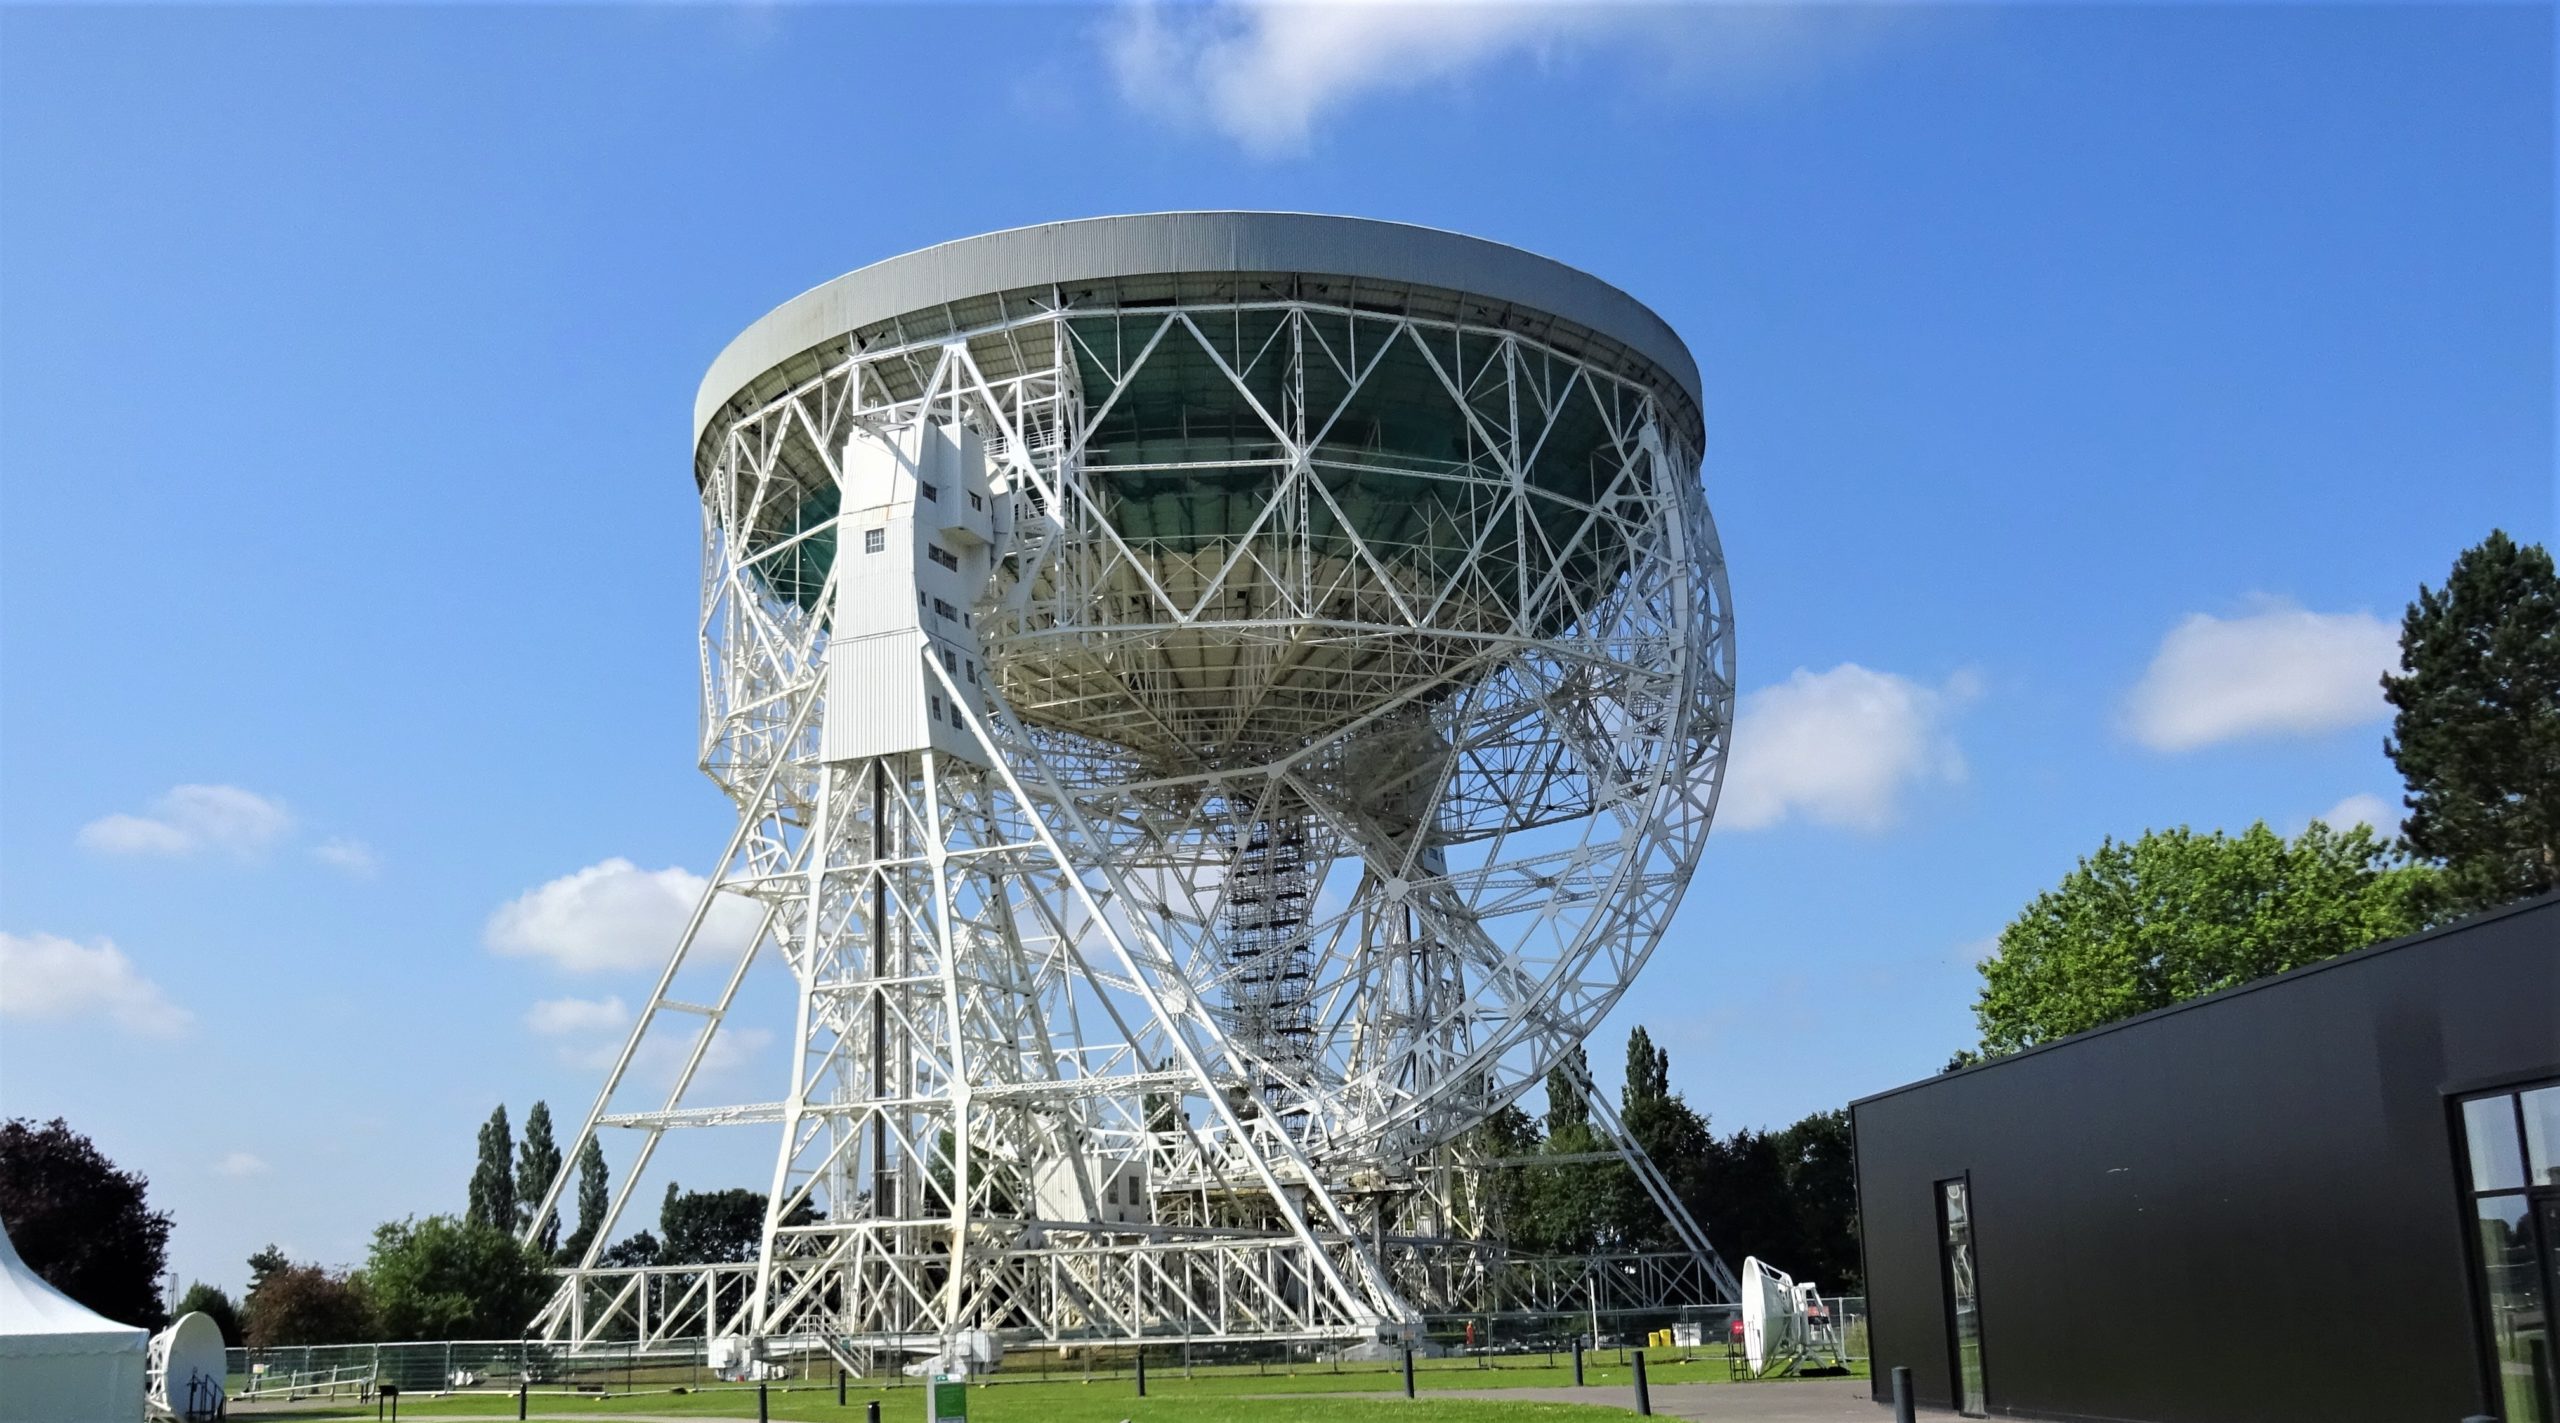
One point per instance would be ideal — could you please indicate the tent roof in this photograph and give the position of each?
(36, 1318)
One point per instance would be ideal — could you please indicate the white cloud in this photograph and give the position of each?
(569, 1017)
(2275, 670)
(45, 976)
(1839, 748)
(353, 856)
(614, 915)
(1266, 74)
(192, 818)
(241, 1164)
(2362, 809)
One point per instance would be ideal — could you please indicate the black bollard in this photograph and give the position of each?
(520, 1388)
(839, 1385)
(760, 1413)
(1408, 1371)
(1577, 1361)
(1902, 1405)
(1142, 1371)
(1644, 1395)
(871, 1412)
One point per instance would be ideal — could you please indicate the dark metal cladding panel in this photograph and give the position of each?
(2244, 1209)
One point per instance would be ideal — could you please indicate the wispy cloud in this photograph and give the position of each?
(192, 819)
(353, 856)
(241, 1165)
(1266, 74)
(2275, 670)
(45, 976)
(1840, 748)
(570, 1017)
(2361, 809)
(614, 915)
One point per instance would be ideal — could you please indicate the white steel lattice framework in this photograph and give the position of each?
(1312, 710)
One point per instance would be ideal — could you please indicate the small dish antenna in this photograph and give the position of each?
(185, 1370)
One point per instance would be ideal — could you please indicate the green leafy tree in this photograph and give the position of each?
(1822, 1182)
(85, 1226)
(266, 1262)
(592, 1201)
(305, 1304)
(715, 1227)
(442, 1278)
(2173, 915)
(537, 1165)
(1672, 1135)
(213, 1304)
(1565, 1207)
(2477, 727)
(493, 1180)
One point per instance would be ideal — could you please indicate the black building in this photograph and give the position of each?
(2330, 1196)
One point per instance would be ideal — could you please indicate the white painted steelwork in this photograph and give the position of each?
(1214, 725)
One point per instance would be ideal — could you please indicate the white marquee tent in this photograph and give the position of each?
(60, 1361)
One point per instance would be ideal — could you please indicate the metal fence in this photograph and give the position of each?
(1486, 1341)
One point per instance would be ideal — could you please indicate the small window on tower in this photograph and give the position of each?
(956, 719)
(942, 609)
(975, 502)
(972, 664)
(943, 556)
(931, 494)
(874, 540)
(936, 703)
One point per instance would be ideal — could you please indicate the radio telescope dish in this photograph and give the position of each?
(185, 1370)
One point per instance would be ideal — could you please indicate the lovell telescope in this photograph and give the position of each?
(1218, 704)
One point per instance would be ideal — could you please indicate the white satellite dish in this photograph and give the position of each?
(185, 1370)
(1770, 1316)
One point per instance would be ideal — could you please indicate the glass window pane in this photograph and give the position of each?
(1955, 1212)
(2519, 1335)
(2489, 1128)
(2542, 1133)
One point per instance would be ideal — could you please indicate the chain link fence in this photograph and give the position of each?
(1704, 1347)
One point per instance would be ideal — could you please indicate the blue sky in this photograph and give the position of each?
(2087, 389)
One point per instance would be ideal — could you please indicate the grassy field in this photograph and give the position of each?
(1021, 1395)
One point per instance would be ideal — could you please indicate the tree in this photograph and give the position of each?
(537, 1165)
(83, 1225)
(305, 1304)
(266, 1262)
(716, 1227)
(1821, 1168)
(213, 1304)
(493, 1181)
(2476, 732)
(592, 1202)
(1672, 1135)
(2175, 914)
(442, 1278)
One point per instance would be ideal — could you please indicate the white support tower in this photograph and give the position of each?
(1218, 704)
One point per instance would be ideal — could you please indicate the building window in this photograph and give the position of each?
(975, 502)
(957, 720)
(2511, 1169)
(944, 610)
(943, 556)
(931, 494)
(936, 703)
(874, 540)
(972, 664)
(1964, 1299)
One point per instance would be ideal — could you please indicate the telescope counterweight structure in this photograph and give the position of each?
(1219, 704)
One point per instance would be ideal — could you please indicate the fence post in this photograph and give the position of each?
(1902, 1405)
(1644, 1395)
